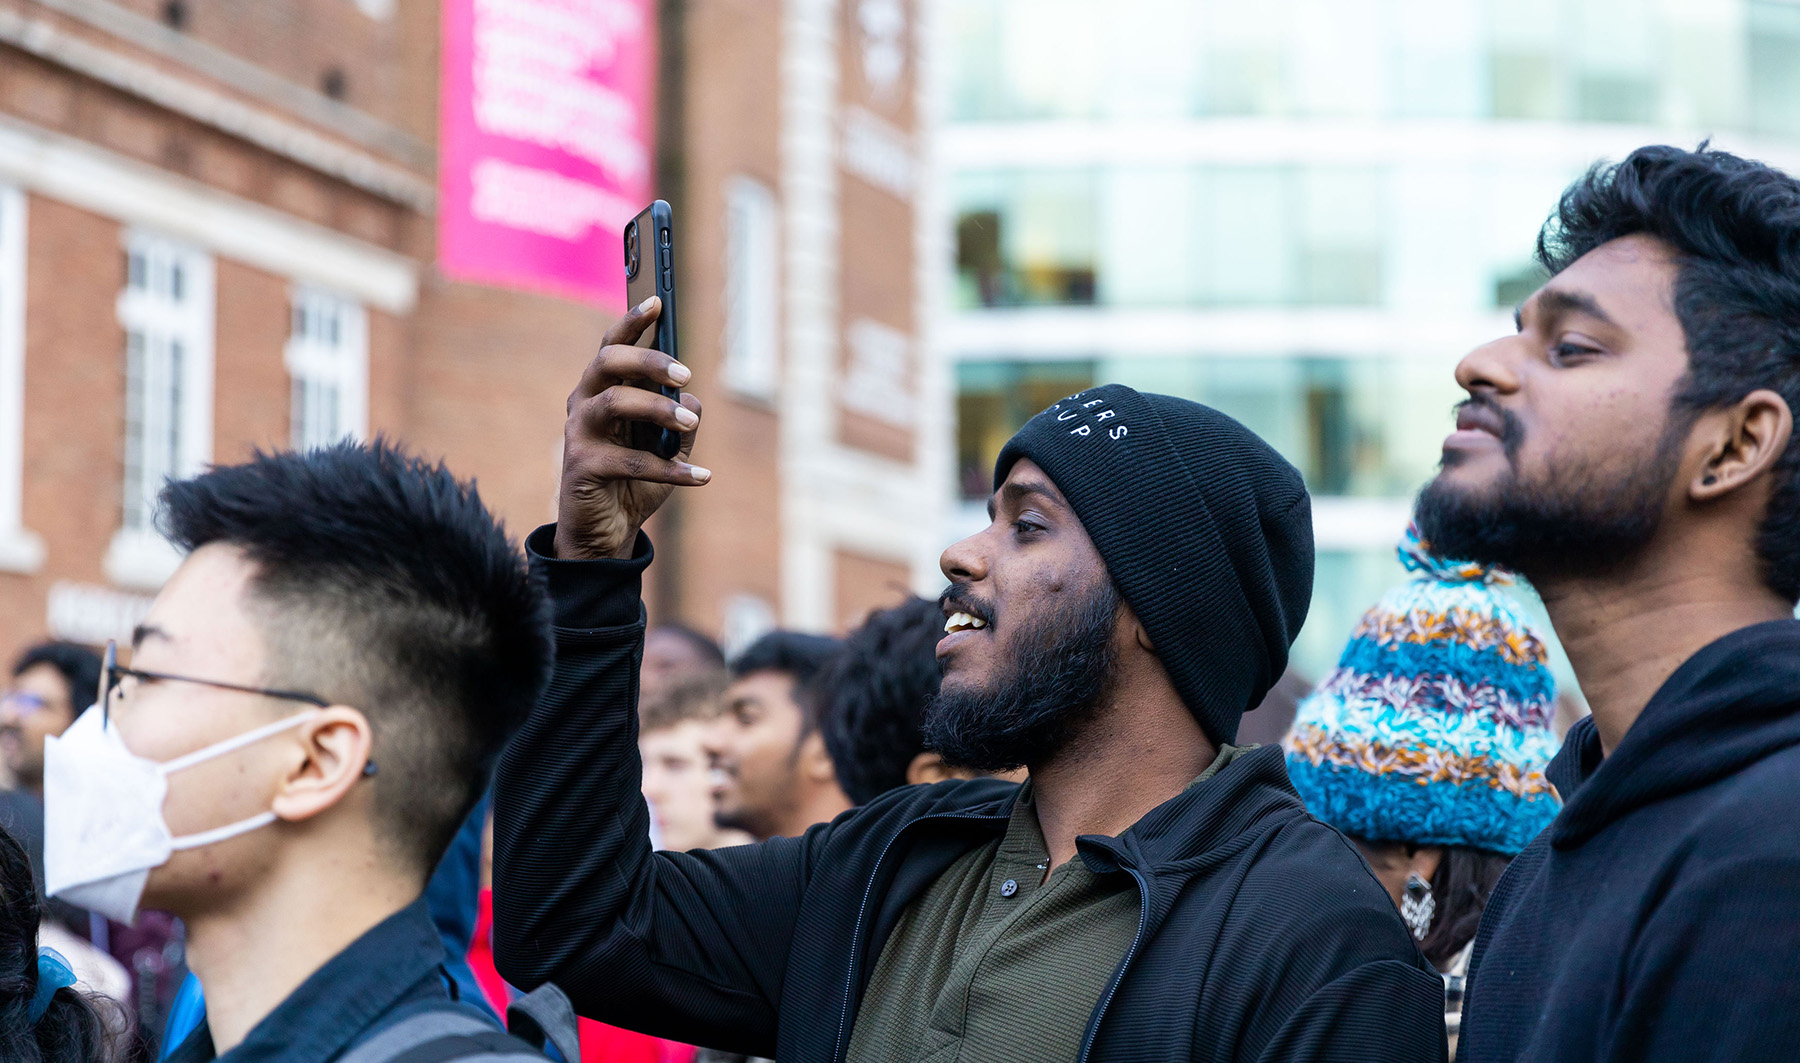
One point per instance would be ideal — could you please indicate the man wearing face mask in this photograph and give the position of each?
(1151, 893)
(337, 611)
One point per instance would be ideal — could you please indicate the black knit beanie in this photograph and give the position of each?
(1205, 529)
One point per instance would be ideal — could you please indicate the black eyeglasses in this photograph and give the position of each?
(112, 672)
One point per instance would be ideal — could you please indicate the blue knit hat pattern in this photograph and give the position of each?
(1434, 729)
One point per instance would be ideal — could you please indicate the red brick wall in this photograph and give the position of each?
(300, 40)
(489, 376)
(250, 382)
(57, 100)
(390, 372)
(865, 583)
(74, 406)
(729, 541)
(876, 228)
(475, 375)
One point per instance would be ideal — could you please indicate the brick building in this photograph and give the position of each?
(217, 234)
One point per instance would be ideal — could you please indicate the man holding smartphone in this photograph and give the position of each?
(1151, 892)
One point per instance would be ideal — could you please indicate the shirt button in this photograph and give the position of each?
(1009, 887)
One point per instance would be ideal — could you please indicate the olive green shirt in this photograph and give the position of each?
(996, 961)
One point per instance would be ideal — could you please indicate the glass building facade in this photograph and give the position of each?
(1302, 212)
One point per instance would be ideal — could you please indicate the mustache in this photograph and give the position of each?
(1512, 430)
(1029, 706)
(959, 598)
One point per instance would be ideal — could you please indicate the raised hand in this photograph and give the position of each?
(608, 489)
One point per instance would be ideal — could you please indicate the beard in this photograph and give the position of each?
(1030, 710)
(1580, 520)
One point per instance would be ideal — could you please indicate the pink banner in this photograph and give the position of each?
(544, 142)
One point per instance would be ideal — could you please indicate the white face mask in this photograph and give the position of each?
(103, 813)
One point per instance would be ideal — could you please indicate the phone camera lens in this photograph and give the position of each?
(631, 250)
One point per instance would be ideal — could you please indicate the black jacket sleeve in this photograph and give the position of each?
(1318, 949)
(691, 946)
(1382, 1010)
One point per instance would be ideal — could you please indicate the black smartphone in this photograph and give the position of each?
(650, 270)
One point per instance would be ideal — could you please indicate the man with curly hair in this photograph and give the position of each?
(1631, 450)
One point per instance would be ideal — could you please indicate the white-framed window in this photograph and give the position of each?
(20, 551)
(166, 311)
(751, 365)
(327, 358)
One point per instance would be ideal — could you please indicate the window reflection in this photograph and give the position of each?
(1223, 236)
(1333, 417)
(994, 400)
(1544, 60)
(1025, 239)
(1775, 66)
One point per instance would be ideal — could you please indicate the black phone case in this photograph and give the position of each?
(650, 270)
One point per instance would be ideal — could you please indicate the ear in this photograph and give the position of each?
(815, 760)
(334, 752)
(1425, 861)
(1130, 625)
(1746, 439)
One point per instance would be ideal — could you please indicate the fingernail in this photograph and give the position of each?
(685, 417)
(700, 474)
(644, 306)
(679, 373)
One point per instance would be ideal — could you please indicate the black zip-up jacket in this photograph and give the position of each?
(1657, 918)
(1262, 934)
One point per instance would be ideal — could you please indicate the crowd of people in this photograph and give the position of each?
(379, 784)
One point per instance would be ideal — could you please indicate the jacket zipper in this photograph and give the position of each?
(1093, 1030)
(839, 1048)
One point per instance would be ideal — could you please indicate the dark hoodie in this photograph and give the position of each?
(1261, 934)
(1658, 917)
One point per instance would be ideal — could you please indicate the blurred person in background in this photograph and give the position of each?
(337, 610)
(52, 682)
(47, 1012)
(672, 652)
(673, 725)
(1427, 746)
(773, 777)
(873, 698)
(1631, 451)
(1152, 892)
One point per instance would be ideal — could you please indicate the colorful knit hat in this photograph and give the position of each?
(1435, 727)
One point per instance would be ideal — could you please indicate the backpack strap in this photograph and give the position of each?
(545, 1015)
(441, 1031)
(490, 1047)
